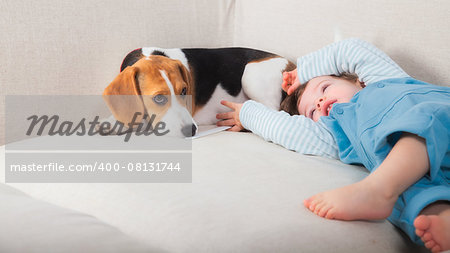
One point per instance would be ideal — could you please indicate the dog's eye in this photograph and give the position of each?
(183, 92)
(160, 99)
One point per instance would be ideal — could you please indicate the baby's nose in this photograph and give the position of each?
(320, 102)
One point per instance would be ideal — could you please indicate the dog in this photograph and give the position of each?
(183, 87)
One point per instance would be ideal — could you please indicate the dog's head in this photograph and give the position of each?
(155, 85)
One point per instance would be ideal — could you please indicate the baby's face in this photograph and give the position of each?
(322, 92)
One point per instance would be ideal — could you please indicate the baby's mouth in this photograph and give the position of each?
(329, 106)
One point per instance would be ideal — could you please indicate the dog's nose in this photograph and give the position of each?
(189, 130)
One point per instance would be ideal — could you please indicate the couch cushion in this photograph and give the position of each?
(30, 225)
(246, 196)
(418, 45)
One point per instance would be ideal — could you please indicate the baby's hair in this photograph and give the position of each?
(290, 103)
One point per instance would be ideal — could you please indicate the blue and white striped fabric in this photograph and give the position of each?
(296, 132)
(351, 56)
(300, 133)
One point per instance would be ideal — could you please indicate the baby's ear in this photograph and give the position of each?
(360, 84)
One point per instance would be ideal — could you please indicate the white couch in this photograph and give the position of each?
(246, 194)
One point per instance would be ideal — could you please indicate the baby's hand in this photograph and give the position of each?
(290, 81)
(230, 118)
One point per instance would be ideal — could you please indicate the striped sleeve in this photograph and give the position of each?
(296, 132)
(352, 56)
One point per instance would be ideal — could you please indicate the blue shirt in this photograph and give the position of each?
(366, 128)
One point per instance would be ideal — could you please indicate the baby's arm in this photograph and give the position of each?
(296, 132)
(352, 56)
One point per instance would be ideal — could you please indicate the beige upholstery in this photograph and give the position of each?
(30, 225)
(58, 47)
(246, 194)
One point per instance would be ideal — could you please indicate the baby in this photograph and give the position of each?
(396, 126)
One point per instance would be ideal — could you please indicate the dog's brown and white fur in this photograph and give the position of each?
(163, 80)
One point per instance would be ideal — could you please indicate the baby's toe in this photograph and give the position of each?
(331, 214)
(318, 207)
(422, 222)
(324, 210)
(436, 249)
(313, 204)
(430, 244)
(419, 232)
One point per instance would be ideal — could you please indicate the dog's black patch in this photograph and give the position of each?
(157, 52)
(131, 58)
(222, 65)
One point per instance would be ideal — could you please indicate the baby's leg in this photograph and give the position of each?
(433, 226)
(375, 196)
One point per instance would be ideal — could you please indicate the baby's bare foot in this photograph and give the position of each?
(360, 201)
(434, 230)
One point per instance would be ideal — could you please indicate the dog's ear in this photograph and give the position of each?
(187, 77)
(123, 96)
(131, 58)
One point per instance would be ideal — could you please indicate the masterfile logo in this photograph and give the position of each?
(54, 126)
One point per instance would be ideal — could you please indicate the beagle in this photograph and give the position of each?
(183, 87)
